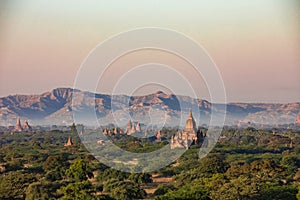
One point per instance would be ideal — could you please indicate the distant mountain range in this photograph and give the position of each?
(55, 107)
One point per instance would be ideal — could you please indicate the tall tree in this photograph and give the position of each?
(79, 171)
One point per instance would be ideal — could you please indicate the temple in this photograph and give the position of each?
(188, 136)
(131, 128)
(297, 122)
(69, 143)
(27, 127)
(138, 127)
(158, 136)
(18, 127)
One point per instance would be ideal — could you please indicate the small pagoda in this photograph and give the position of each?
(297, 122)
(69, 143)
(18, 127)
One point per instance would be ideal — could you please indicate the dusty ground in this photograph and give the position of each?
(157, 180)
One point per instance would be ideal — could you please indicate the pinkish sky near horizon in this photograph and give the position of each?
(255, 44)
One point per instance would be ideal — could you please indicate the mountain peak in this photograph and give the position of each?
(61, 93)
(63, 90)
(160, 92)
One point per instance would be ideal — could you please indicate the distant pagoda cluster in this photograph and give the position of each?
(116, 131)
(19, 128)
(131, 128)
(189, 135)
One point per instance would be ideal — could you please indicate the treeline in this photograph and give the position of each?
(245, 164)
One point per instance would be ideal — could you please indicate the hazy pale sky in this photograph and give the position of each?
(254, 43)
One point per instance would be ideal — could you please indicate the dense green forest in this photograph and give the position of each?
(245, 164)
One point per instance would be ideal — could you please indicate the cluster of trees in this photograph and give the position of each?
(59, 180)
(245, 164)
(37, 167)
(214, 178)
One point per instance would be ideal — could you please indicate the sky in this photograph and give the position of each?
(255, 44)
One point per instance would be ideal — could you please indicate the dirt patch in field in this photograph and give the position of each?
(157, 180)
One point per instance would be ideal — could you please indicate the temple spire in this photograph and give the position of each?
(69, 143)
(19, 121)
(26, 126)
(18, 126)
(138, 127)
(190, 114)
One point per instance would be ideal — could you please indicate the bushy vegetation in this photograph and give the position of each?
(245, 164)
